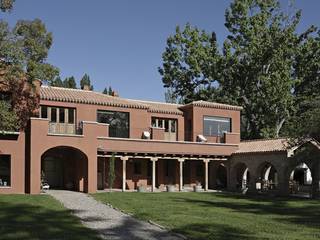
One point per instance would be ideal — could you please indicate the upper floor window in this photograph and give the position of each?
(216, 126)
(55, 114)
(5, 171)
(118, 122)
(169, 125)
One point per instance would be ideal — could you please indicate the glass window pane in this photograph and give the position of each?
(173, 126)
(71, 115)
(166, 125)
(118, 122)
(216, 126)
(61, 115)
(5, 170)
(53, 115)
(44, 112)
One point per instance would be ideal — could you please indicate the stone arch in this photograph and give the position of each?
(65, 167)
(268, 176)
(300, 176)
(241, 176)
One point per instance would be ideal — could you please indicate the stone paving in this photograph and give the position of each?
(110, 223)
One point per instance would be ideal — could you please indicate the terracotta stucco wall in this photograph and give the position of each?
(16, 149)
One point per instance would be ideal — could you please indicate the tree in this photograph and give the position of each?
(108, 91)
(23, 57)
(111, 175)
(256, 68)
(6, 5)
(85, 81)
(70, 82)
(190, 64)
(57, 82)
(9, 120)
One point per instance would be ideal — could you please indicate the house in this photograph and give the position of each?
(69, 143)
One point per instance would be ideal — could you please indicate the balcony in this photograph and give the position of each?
(64, 128)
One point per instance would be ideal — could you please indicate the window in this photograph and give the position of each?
(61, 115)
(44, 112)
(53, 115)
(118, 122)
(137, 167)
(5, 171)
(71, 115)
(216, 126)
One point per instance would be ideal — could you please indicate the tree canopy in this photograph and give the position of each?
(261, 66)
(23, 55)
(85, 81)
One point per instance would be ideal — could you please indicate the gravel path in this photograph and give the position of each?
(112, 224)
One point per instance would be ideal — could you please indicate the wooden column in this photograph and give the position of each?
(206, 178)
(181, 160)
(153, 160)
(124, 171)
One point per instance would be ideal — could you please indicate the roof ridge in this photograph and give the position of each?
(265, 139)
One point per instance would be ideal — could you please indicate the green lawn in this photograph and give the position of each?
(38, 217)
(223, 216)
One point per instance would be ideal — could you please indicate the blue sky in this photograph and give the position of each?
(119, 43)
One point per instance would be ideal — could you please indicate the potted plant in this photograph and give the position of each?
(170, 188)
(141, 188)
(197, 187)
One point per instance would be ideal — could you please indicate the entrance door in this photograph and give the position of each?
(52, 170)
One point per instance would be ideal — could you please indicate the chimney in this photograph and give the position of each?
(86, 87)
(115, 94)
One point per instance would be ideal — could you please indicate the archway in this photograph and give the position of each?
(300, 180)
(221, 177)
(268, 176)
(242, 176)
(65, 167)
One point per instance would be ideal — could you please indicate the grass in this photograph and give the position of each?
(223, 216)
(38, 217)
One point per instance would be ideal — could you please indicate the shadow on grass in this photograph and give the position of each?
(32, 221)
(300, 211)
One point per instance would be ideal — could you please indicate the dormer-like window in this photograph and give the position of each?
(216, 126)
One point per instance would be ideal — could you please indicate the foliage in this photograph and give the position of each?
(190, 63)
(108, 91)
(262, 65)
(8, 118)
(6, 5)
(111, 173)
(70, 82)
(85, 81)
(223, 216)
(56, 82)
(23, 55)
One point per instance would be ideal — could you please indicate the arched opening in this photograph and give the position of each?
(242, 175)
(221, 177)
(300, 180)
(65, 168)
(268, 177)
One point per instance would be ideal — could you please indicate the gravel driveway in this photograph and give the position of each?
(112, 224)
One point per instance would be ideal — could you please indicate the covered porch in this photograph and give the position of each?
(157, 172)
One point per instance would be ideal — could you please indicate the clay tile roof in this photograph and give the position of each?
(206, 104)
(263, 145)
(91, 97)
(86, 97)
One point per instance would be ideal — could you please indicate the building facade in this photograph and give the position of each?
(70, 141)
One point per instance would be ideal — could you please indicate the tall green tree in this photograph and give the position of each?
(6, 5)
(70, 82)
(23, 56)
(256, 68)
(57, 82)
(85, 81)
(190, 64)
(108, 91)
